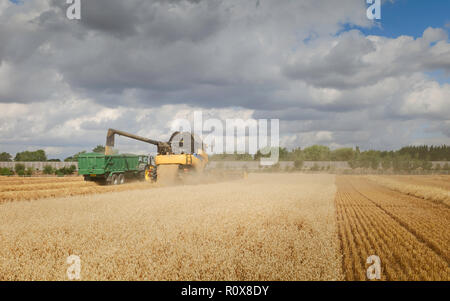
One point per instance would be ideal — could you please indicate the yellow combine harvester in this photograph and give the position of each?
(182, 155)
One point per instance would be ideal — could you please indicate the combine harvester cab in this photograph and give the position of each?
(112, 169)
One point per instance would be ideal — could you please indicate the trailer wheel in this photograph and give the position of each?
(114, 179)
(121, 178)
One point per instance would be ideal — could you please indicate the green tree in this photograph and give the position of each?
(402, 162)
(386, 163)
(353, 163)
(99, 149)
(416, 164)
(26, 156)
(283, 154)
(266, 152)
(5, 157)
(343, 154)
(316, 153)
(295, 154)
(74, 158)
(370, 159)
(19, 168)
(375, 163)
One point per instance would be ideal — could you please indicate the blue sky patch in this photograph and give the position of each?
(408, 17)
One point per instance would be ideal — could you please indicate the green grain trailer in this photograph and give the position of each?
(111, 169)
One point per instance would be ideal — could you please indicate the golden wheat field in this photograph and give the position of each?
(265, 227)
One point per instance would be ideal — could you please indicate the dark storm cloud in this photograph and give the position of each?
(335, 68)
(208, 53)
(64, 78)
(114, 17)
(157, 47)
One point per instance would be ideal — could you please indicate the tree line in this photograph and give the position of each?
(324, 153)
(40, 156)
(406, 158)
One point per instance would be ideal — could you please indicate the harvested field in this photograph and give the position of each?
(435, 189)
(20, 189)
(42, 186)
(409, 234)
(267, 227)
(35, 180)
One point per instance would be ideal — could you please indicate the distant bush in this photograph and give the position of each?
(298, 164)
(386, 163)
(48, 170)
(28, 171)
(353, 164)
(315, 167)
(427, 165)
(6, 171)
(375, 163)
(19, 168)
(65, 170)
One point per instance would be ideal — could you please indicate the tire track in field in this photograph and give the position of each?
(366, 228)
(420, 237)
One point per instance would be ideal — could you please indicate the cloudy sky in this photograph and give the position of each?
(331, 75)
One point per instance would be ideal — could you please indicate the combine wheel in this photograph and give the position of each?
(121, 178)
(114, 179)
